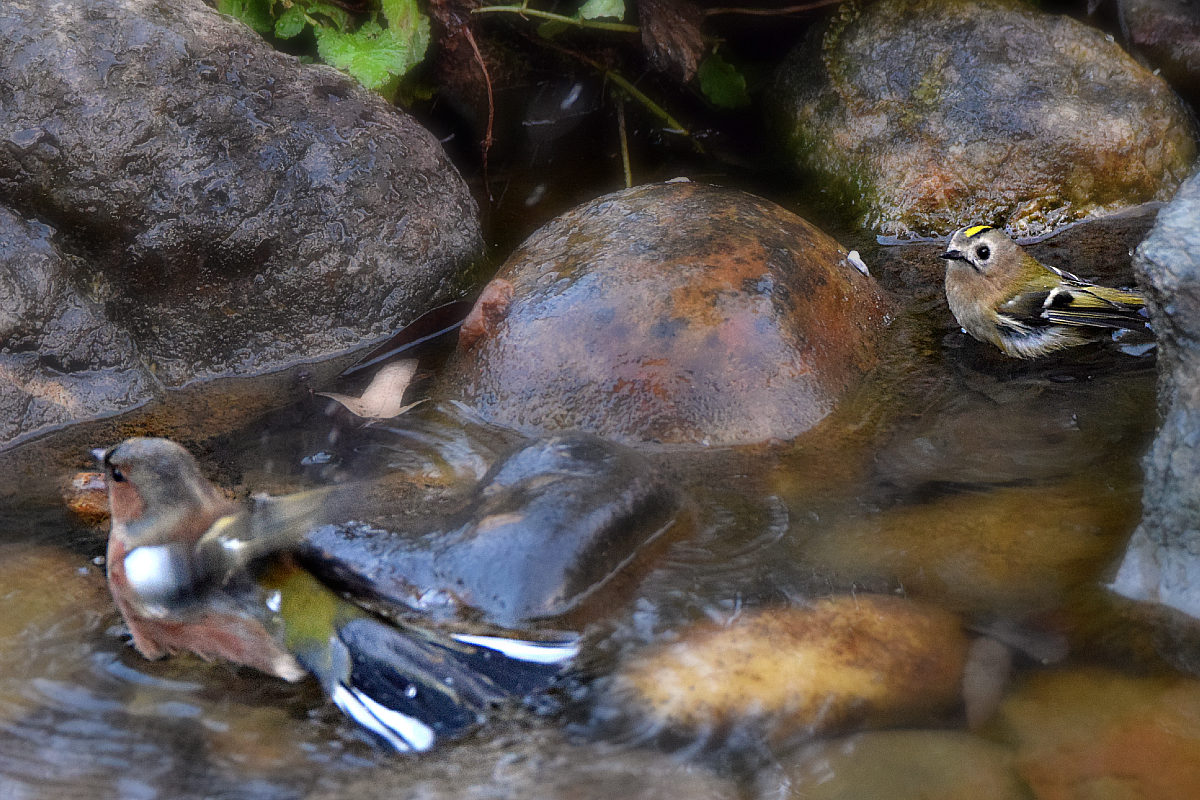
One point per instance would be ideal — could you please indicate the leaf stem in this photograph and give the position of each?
(624, 142)
(525, 11)
(654, 108)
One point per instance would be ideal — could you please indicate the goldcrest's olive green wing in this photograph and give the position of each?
(1023, 310)
(1095, 306)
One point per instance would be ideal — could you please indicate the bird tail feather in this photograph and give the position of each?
(414, 687)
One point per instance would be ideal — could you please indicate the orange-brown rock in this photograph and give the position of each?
(87, 497)
(842, 662)
(674, 312)
(1092, 733)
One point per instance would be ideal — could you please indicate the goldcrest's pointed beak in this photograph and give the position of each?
(954, 255)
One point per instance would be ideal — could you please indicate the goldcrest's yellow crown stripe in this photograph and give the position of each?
(969, 232)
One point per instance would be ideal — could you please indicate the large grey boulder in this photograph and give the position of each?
(1162, 562)
(229, 211)
(924, 115)
(61, 359)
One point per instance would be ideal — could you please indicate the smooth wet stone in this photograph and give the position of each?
(843, 662)
(925, 115)
(1162, 562)
(903, 765)
(549, 526)
(1097, 734)
(233, 212)
(674, 312)
(1012, 551)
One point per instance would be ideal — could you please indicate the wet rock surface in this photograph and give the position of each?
(842, 662)
(1162, 562)
(1091, 733)
(675, 312)
(234, 211)
(548, 526)
(929, 115)
(905, 765)
(61, 358)
(1030, 546)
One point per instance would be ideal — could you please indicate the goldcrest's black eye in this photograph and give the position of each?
(982, 252)
(117, 475)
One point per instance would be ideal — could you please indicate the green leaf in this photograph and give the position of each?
(372, 54)
(336, 17)
(722, 84)
(595, 9)
(290, 23)
(255, 13)
(401, 15)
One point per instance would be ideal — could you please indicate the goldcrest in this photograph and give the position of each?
(1002, 295)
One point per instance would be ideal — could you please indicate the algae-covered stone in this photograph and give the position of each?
(673, 312)
(925, 115)
(844, 661)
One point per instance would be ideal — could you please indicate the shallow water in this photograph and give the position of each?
(1002, 491)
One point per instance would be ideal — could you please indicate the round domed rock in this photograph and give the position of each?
(925, 115)
(676, 312)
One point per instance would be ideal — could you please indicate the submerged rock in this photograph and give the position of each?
(1016, 551)
(843, 662)
(234, 211)
(1090, 733)
(905, 765)
(673, 312)
(546, 529)
(1162, 562)
(926, 115)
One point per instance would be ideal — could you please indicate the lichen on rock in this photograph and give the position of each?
(921, 116)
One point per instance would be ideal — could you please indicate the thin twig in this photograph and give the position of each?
(487, 81)
(654, 108)
(772, 12)
(578, 22)
(612, 75)
(624, 143)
